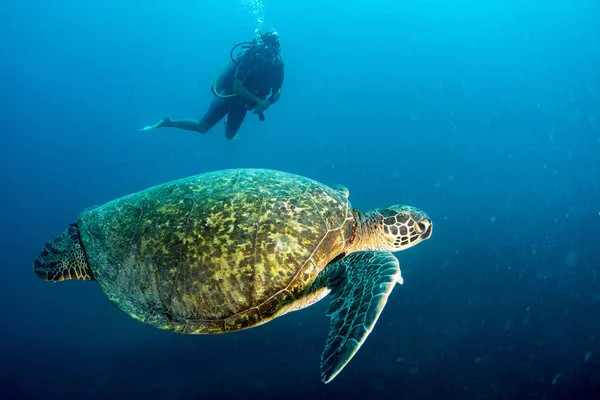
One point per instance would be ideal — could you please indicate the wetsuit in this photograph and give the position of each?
(261, 76)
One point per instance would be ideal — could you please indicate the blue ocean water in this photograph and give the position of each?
(485, 114)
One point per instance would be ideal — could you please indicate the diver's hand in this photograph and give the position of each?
(261, 107)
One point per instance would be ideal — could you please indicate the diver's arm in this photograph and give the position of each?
(276, 89)
(240, 89)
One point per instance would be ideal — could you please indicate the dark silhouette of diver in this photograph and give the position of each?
(251, 81)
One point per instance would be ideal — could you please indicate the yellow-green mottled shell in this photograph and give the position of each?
(216, 252)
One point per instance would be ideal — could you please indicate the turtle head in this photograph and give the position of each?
(392, 228)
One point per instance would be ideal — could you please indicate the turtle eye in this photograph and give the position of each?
(420, 227)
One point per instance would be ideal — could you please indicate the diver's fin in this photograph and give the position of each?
(63, 258)
(360, 284)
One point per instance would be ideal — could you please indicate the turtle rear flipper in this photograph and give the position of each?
(360, 284)
(63, 258)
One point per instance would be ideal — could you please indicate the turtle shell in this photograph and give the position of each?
(216, 252)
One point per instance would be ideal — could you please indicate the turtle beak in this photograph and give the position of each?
(424, 228)
(427, 234)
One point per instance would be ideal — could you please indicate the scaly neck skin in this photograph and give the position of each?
(365, 235)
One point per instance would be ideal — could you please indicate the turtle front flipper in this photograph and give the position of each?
(360, 284)
(63, 258)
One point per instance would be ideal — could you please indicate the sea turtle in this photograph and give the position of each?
(229, 250)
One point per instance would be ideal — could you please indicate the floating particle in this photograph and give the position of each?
(556, 378)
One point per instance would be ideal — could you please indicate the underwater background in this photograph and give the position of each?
(485, 114)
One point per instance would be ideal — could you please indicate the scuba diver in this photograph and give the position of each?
(252, 80)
